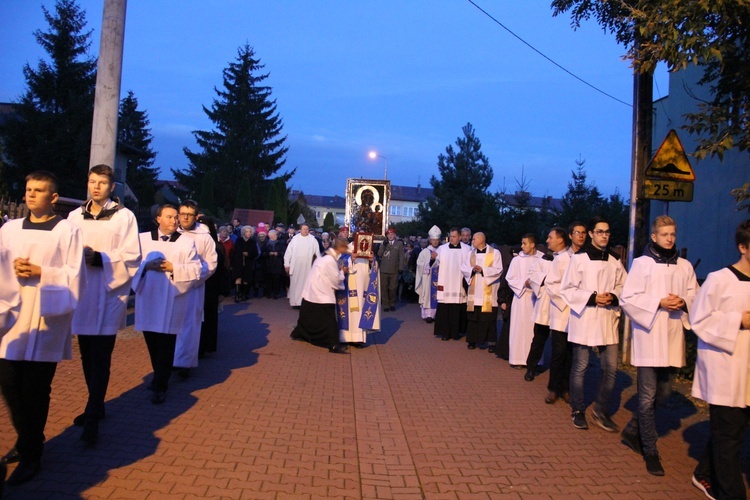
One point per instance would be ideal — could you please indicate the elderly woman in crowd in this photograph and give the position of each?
(244, 255)
(272, 252)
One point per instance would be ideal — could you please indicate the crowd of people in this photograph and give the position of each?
(74, 277)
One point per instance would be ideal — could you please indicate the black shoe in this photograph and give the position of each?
(338, 349)
(183, 373)
(11, 457)
(653, 464)
(603, 420)
(446, 339)
(471, 346)
(579, 420)
(550, 398)
(429, 320)
(90, 434)
(25, 471)
(81, 419)
(491, 349)
(359, 345)
(4, 471)
(632, 441)
(529, 377)
(159, 397)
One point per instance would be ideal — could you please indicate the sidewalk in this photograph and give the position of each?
(407, 417)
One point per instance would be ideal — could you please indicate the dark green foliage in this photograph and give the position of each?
(206, 199)
(246, 142)
(244, 194)
(300, 207)
(329, 222)
(134, 140)
(53, 130)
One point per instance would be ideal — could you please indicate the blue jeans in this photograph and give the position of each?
(608, 363)
(654, 388)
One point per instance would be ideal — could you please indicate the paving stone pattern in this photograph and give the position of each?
(410, 416)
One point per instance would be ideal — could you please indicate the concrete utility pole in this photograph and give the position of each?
(107, 96)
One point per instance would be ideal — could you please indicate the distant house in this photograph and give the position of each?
(537, 203)
(405, 200)
(166, 192)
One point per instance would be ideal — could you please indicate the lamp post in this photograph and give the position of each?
(374, 155)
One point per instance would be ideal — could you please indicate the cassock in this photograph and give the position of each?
(522, 309)
(188, 343)
(10, 296)
(165, 301)
(42, 331)
(722, 371)
(299, 256)
(317, 321)
(102, 308)
(481, 301)
(658, 337)
(450, 317)
(358, 281)
(593, 271)
(423, 283)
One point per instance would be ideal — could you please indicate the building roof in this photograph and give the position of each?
(317, 200)
(410, 193)
(534, 201)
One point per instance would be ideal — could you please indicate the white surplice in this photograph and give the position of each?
(658, 337)
(450, 279)
(490, 275)
(722, 371)
(298, 257)
(559, 312)
(537, 277)
(10, 296)
(42, 330)
(522, 307)
(423, 281)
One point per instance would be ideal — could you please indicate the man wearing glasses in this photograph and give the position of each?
(188, 342)
(591, 287)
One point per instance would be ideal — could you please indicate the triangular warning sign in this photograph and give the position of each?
(670, 161)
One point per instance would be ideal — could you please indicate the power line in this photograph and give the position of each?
(547, 58)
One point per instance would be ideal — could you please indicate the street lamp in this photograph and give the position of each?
(374, 155)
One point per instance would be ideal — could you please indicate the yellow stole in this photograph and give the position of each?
(487, 297)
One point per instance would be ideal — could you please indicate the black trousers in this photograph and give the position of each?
(161, 350)
(559, 367)
(541, 334)
(26, 387)
(449, 320)
(96, 358)
(721, 461)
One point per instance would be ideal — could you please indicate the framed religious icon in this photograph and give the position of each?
(367, 206)
(363, 245)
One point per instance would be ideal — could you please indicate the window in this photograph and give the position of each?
(409, 211)
(395, 210)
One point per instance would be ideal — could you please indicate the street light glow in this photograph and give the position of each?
(373, 155)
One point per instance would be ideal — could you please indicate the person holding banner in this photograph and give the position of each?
(358, 304)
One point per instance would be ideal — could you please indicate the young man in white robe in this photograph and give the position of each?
(720, 317)
(450, 317)
(657, 296)
(112, 254)
(300, 253)
(358, 282)
(317, 322)
(482, 269)
(47, 253)
(591, 287)
(166, 288)
(522, 307)
(188, 343)
(424, 284)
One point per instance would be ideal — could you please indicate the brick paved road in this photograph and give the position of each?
(408, 417)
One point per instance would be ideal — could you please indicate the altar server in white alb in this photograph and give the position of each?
(10, 296)
(721, 319)
(482, 270)
(450, 317)
(112, 254)
(47, 253)
(166, 289)
(591, 287)
(522, 308)
(657, 296)
(188, 343)
(425, 282)
(300, 253)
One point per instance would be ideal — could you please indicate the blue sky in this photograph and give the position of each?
(401, 78)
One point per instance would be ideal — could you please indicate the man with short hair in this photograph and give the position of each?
(301, 252)
(167, 292)
(591, 287)
(450, 317)
(720, 317)
(47, 255)
(522, 308)
(426, 276)
(112, 253)
(466, 236)
(391, 255)
(188, 342)
(482, 270)
(657, 295)
(577, 234)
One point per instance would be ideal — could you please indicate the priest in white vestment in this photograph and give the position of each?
(424, 284)
(482, 269)
(300, 253)
(450, 317)
(522, 308)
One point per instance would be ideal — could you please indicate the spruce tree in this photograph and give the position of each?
(582, 200)
(53, 129)
(246, 141)
(134, 136)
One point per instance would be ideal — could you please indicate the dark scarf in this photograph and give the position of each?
(105, 214)
(661, 255)
(594, 253)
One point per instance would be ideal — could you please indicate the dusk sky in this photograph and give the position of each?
(400, 78)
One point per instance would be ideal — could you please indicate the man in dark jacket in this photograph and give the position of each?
(391, 255)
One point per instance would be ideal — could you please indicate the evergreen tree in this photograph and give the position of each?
(300, 207)
(582, 201)
(329, 223)
(617, 211)
(134, 137)
(246, 142)
(244, 194)
(206, 200)
(53, 129)
(460, 196)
